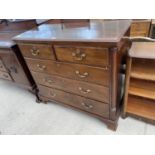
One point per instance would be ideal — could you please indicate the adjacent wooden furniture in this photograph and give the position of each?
(139, 99)
(12, 65)
(78, 66)
(17, 25)
(140, 27)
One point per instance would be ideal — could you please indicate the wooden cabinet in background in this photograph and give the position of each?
(19, 25)
(12, 65)
(140, 27)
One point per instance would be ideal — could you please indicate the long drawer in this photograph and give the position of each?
(85, 89)
(83, 55)
(85, 104)
(5, 75)
(79, 72)
(40, 51)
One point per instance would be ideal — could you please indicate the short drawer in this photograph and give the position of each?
(83, 55)
(82, 103)
(42, 51)
(5, 75)
(74, 71)
(85, 89)
(2, 67)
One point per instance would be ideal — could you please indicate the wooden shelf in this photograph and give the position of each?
(141, 107)
(142, 88)
(142, 92)
(143, 69)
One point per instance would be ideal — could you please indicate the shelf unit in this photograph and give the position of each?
(139, 98)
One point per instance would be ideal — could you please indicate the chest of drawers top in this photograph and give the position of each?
(97, 31)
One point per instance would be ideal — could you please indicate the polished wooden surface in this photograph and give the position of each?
(108, 31)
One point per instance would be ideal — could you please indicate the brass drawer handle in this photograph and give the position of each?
(87, 106)
(78, 55)
(34, 51)
(84, 91)
(52, 94)
(84, 75)
(48, 81)
(41, 67)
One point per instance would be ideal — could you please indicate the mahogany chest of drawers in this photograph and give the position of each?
(78, 67)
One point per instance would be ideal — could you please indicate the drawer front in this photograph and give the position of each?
(83, 55)
(37, 51)
(6, 76)
(2, 67)
(82, 103)
(85, 89)
(79, 72)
